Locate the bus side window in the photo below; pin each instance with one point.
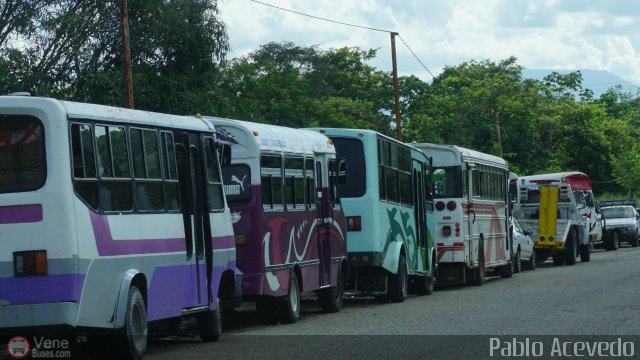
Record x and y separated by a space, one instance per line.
170 172
214 178
271 181
85 182
146 169
294 183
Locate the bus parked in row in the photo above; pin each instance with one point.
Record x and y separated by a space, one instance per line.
387 201
470 191
290 229
111 219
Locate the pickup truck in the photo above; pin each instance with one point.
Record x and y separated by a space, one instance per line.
619 223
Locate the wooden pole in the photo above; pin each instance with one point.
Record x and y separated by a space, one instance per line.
396 92
126 46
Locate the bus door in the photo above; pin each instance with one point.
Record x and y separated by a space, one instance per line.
324 218
420 216
470 177
195 214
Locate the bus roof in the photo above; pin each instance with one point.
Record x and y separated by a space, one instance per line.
256 137
451 155
76 110
577 180
362 133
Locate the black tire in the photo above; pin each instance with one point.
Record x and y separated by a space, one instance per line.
266 310
425 285
615 241
532 260
571 249
585 253
331 299
517 262
635 241
210 324
289 306
399 282
479 272
133 337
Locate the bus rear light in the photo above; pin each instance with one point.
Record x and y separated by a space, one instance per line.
29 263
458 244
446 230
457 233
440 205
441 244
451 205
354 223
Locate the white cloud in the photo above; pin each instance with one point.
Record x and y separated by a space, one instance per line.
556 34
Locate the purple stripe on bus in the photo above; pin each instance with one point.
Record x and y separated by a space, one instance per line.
20 214
41 289
173 288
107 246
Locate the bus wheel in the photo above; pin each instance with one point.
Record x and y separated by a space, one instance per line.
571 249
266 309
398 283
331 299
585 253
210 324
427 284
289 306
134 334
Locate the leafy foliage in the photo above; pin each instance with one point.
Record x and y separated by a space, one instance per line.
71 49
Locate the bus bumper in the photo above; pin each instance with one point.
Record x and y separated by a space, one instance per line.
29 315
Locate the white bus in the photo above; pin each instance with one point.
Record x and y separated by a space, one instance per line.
470 192
111 219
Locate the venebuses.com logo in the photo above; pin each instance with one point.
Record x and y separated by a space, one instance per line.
19 347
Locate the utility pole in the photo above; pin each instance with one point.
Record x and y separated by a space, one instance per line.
396 93
126 47
499 137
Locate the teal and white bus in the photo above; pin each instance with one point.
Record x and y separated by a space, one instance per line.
389 210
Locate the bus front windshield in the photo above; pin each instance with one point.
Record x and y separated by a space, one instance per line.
447 182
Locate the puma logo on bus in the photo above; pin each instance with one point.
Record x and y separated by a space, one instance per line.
238 181
235 189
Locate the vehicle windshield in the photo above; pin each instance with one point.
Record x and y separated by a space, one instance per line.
447 182
352 151
618 212
22 160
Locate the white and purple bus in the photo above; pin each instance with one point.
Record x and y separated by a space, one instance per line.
289 225
111 220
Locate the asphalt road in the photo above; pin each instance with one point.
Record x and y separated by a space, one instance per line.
598 298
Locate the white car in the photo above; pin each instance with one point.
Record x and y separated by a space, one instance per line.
523 254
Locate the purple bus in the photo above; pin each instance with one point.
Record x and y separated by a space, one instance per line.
290 230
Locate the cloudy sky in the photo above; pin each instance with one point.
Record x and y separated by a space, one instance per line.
542 34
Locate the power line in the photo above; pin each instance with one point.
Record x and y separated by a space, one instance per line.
321 18
348 24
415 56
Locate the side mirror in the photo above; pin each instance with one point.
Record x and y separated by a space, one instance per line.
342 171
